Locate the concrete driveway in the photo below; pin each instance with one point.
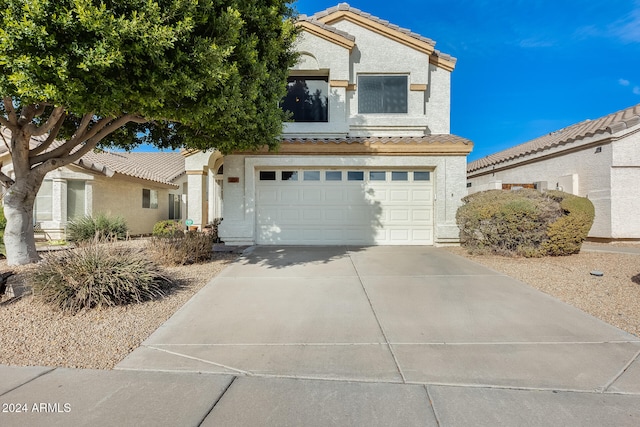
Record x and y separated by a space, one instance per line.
421 331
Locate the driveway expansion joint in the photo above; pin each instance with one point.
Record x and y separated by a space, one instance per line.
375 315
621 373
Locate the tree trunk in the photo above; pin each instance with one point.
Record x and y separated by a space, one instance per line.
19 239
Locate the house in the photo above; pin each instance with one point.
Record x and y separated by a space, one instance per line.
143 188
598 159
368 157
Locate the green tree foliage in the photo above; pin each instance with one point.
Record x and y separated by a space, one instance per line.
198 74
524 223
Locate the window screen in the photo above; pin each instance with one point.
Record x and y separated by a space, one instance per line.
382 94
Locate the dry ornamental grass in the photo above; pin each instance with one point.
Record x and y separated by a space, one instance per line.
35 334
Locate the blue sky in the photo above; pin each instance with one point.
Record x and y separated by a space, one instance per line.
525 67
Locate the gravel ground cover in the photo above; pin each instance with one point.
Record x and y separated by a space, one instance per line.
33 334
613 297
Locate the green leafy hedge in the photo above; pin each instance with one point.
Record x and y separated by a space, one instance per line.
524 222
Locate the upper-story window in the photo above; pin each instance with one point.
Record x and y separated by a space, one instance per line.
382 94
307 98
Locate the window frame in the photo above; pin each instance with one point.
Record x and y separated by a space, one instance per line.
150 201
362 92
305 115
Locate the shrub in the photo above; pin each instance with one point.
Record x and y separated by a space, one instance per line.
168 228
97 275
565 235
192 248
524 223
102 227
506 222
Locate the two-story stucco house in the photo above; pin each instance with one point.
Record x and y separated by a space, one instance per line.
598 159
368 157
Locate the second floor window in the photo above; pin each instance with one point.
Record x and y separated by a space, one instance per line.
382 94
307 98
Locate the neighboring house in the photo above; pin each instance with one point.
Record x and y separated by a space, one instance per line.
598 159
368 158
143 188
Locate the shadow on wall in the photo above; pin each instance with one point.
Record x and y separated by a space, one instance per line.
346 217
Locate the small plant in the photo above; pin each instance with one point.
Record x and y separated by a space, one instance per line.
168 228
102 227
98 275
193 247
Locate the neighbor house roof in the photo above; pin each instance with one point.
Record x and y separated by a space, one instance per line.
326 18
159 167
610 124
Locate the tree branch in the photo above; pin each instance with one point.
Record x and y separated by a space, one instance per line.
78 138
54 159
40 108
27 114
11 112
6 180
51 122
52 137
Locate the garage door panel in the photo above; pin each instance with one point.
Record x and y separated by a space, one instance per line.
421 196
421 214
334 215
399 196
344 212
268 195
312 195
399 215
334 195
290 195
289 215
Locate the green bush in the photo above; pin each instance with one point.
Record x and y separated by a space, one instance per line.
565 236
523 223
97 275
168 228
102 227
193 247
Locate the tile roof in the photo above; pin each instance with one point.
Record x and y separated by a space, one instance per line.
610 124
346 7
157 167
427 139
312 20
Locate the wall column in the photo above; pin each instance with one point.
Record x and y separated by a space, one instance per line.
197 197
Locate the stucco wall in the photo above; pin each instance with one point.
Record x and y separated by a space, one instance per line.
238 226
428 111
121 197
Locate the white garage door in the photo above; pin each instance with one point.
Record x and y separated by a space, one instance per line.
344 207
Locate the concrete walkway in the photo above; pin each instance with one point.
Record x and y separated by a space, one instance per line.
353 336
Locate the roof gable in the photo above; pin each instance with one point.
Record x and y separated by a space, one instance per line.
609 124
380 26
319 29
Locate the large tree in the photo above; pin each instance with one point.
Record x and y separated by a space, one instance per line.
78 74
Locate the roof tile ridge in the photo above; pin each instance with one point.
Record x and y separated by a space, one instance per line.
346 7
314 21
